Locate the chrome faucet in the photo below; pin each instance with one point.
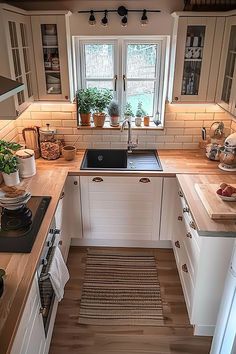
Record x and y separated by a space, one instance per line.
130 144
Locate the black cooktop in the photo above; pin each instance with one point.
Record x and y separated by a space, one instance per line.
19 228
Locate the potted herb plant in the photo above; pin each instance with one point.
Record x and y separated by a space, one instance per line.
8 163
114 113
85 101
128 112
139 114
102 98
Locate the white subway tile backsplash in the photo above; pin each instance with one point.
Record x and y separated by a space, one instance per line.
42 115
61 115
183 138
111 138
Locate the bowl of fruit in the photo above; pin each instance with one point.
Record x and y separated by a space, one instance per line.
227 192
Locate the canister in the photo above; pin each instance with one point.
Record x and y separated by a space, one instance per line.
26 160
49 146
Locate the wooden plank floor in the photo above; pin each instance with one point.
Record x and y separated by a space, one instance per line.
176 336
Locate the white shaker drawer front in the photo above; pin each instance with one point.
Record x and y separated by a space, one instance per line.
192 251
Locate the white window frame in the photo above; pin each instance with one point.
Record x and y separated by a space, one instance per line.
120 50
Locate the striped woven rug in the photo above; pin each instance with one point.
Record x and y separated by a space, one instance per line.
121 289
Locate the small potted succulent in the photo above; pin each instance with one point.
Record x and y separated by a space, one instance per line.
114 113
102 98
139 114
128 112
9 163
85 102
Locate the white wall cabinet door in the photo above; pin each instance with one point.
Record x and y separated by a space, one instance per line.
226 91
196 48
52 55
121 208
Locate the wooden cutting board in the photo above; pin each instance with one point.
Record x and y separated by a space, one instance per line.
217 208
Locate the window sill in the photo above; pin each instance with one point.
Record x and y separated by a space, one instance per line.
152 126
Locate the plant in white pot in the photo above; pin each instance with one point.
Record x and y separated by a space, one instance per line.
128 112
9 163
114 113
102 98
139 114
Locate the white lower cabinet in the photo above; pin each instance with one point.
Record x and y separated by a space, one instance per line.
121 208
202 264
30 337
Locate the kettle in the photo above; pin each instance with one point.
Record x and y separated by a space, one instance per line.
31 138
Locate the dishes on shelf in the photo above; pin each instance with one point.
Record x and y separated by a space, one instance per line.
53 79
50 40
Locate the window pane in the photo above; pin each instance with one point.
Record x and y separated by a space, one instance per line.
99 61
141 60
141 91
100 84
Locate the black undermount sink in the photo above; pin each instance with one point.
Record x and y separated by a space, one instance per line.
138 160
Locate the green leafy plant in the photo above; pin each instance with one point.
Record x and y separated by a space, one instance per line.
102 98
113 109
140 111
128 110
8 161
85 100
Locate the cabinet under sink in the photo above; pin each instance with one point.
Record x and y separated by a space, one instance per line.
137 160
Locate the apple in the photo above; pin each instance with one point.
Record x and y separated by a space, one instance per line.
219 191
228 191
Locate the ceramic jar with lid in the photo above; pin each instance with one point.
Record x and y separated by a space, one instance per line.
49 146
26 160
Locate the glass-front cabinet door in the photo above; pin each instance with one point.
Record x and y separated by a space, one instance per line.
51 57
227 76
194 76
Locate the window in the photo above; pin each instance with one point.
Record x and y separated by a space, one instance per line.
134 69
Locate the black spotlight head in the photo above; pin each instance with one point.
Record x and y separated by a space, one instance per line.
144 19
104 20
124 21
122 11
92 20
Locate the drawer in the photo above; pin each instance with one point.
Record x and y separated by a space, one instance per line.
192 251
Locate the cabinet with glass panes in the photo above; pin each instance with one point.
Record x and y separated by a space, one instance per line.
196 57
50 35
227 75
20 61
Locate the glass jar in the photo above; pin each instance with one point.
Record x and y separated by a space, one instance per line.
49 146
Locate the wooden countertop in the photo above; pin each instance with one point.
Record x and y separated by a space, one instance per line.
205 225
173 162
49 180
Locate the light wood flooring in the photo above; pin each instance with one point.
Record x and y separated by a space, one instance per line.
176 336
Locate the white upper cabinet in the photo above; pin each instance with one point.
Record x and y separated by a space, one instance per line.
52 55
196 49
20 66
226 92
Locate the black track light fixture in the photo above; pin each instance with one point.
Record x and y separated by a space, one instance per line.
92 20
104 20
144 19
124 21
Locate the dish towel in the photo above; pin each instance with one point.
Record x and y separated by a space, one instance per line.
58 274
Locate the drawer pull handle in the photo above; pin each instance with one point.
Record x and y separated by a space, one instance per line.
144 180
177 244
192 225
180 218
62 195
180 193
189 235
97 179
186 210
185 268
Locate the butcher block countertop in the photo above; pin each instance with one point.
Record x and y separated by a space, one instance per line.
205 225
49 180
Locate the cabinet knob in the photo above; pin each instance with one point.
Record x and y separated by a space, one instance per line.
177 244
176 98
60 243
44 261
185 268
144 180
189 235
186 210
192 225
75 183
62 195
43 311
180 218
180 194
97 179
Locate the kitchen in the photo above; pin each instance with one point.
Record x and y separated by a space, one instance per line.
173 76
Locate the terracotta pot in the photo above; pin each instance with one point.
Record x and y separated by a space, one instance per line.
85 119
69 152
99 119
114 121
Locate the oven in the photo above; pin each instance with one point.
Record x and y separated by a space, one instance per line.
47 295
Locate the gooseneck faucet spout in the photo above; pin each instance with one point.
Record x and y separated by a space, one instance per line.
130 144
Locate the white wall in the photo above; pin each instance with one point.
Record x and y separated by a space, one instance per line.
159 23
